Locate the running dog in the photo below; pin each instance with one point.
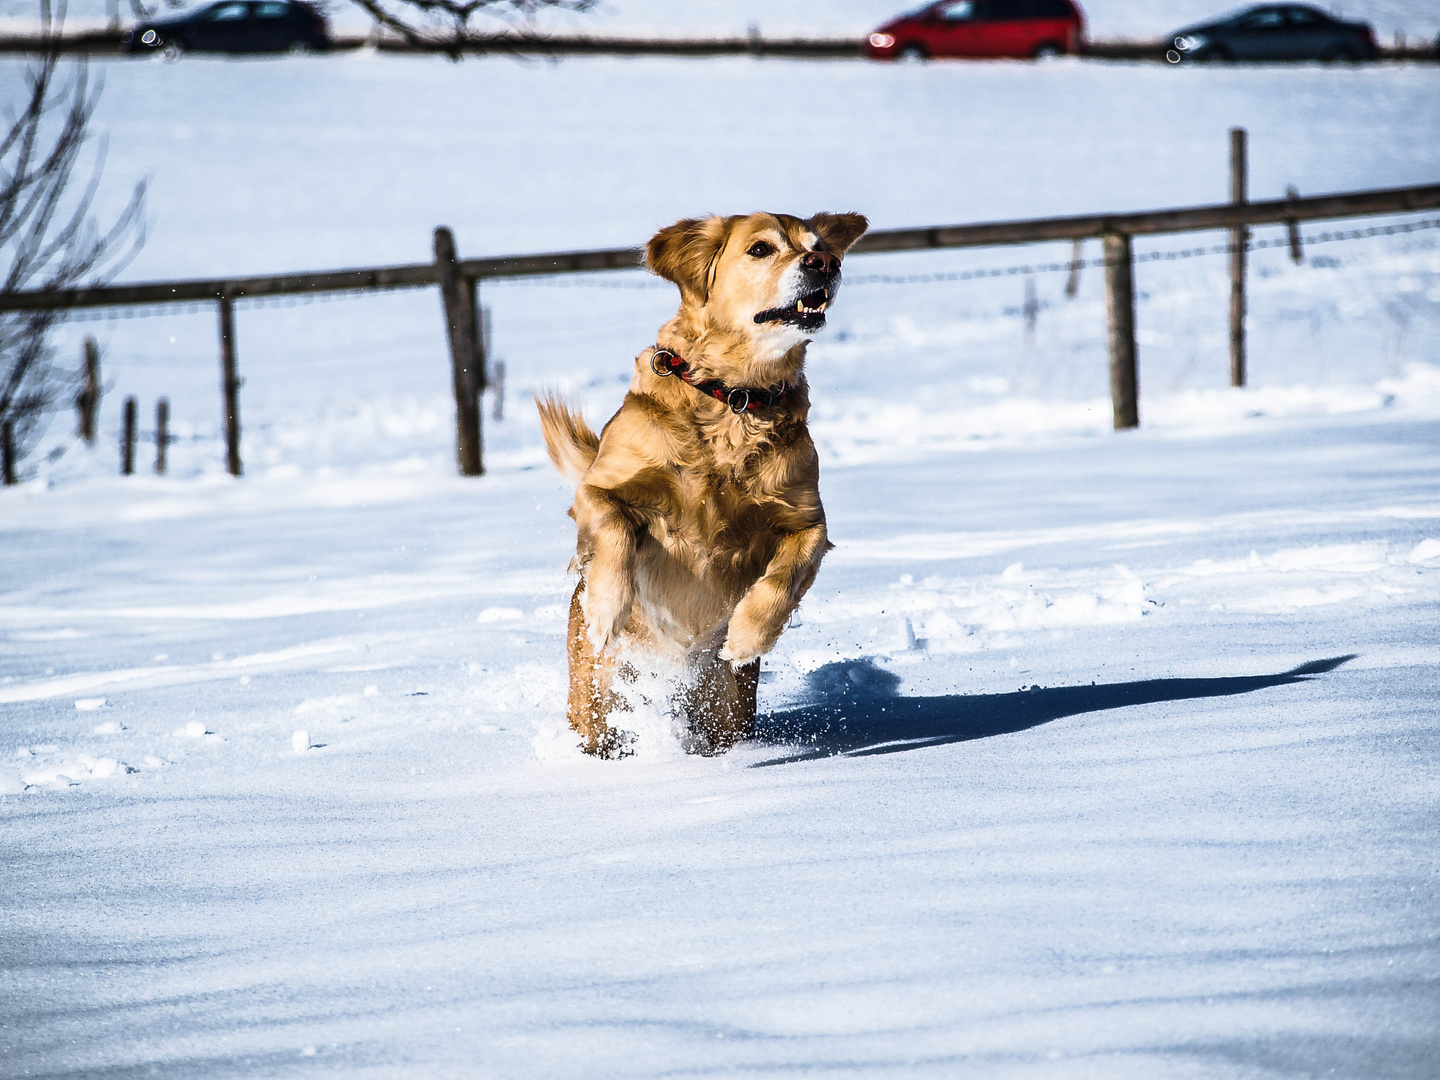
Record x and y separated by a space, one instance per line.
698 505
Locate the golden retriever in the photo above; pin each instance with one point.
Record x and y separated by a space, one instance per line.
698 505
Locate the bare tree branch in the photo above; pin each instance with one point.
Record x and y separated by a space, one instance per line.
48 236
445 24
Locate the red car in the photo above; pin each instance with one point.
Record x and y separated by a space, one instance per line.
1019 28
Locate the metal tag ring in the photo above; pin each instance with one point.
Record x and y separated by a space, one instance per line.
738 399
659 368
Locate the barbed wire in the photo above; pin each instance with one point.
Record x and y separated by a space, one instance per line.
1143 257
596 281
243 303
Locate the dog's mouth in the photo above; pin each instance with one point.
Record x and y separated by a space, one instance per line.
808 312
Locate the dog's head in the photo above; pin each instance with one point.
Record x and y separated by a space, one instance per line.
768 277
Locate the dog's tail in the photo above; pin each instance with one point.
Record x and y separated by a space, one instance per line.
571 443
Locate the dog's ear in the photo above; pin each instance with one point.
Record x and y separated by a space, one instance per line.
686 253
839 231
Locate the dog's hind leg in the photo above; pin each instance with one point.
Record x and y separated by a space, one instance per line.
747 692
720 705
592 698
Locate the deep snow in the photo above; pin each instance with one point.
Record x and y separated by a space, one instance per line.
1063 772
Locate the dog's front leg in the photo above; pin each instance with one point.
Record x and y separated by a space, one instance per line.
610 572
767 605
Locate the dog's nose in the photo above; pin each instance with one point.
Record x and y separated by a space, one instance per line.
822 262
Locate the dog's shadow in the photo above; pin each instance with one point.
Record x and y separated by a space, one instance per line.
857 711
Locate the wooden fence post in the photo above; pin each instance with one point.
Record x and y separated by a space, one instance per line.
127 440
162 433
467 362
1239 239
1292 227
7 452
87 402
230 383
1072 282
484 328
478 317
1120 313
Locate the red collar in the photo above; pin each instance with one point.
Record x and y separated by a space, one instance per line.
741 399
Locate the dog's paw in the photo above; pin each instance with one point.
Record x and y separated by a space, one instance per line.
605 617
739 649
748 636
602 635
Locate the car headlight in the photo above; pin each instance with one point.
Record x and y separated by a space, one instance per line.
1190 42
882 41
149 37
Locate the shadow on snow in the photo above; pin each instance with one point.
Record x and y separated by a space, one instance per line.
858 711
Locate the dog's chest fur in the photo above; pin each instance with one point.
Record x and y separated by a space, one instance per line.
729 488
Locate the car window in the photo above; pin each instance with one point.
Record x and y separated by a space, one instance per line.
1264 19
1005 10
958 11
1300 16
272 10
229 12
1052 9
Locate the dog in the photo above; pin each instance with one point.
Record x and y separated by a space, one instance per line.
698 506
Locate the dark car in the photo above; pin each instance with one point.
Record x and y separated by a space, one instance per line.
981 28
234 26
1275 32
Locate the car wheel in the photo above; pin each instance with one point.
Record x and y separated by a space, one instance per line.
1048 51
1215 54
170 51
1344 55
301 48
912 54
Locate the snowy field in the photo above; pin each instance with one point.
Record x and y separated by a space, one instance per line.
1091 755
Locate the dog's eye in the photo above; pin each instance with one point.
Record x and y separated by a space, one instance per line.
760 249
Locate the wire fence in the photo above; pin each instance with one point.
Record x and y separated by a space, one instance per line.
304 357
1069 265
633 280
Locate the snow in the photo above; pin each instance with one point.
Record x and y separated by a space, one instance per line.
1089 754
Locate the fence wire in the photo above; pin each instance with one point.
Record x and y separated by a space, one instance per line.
601 280
1069 265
